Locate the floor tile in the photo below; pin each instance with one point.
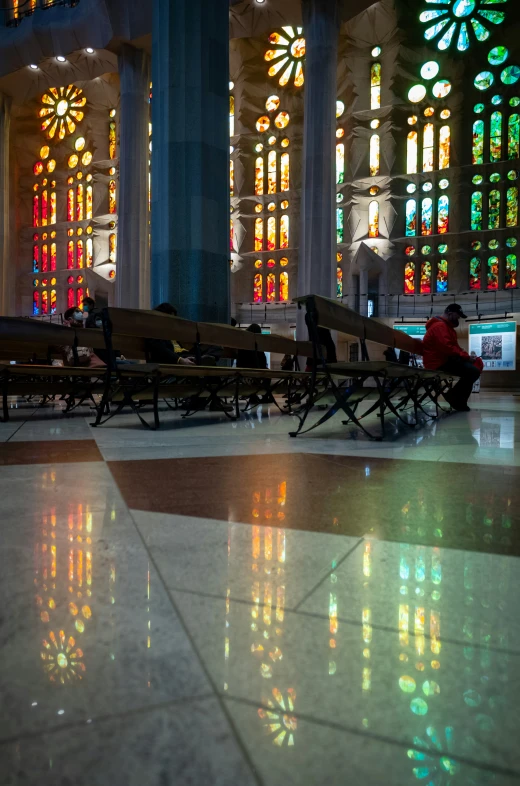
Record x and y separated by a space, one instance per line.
359 676
48 452
183 744
290 751
202 555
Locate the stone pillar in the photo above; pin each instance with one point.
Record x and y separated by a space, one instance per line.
7 265
363 292
317 260
133 250
190 157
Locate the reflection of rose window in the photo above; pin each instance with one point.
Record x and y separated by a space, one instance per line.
461 21
62 658
287 55
279 723
61 107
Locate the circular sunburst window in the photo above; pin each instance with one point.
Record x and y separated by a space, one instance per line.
61 110
460 21
287 55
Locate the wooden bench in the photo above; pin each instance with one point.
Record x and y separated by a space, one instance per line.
395 387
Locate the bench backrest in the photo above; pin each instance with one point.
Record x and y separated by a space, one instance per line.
330 314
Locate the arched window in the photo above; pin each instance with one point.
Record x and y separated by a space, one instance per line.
494 209
70 204
79 203
339 225
373 219
510 276
375 86
442 275
339 282
112 205
476 210
411 218
79 254
53 256
45 303
284 286
512 207
44 208
443 214
79 297
513 136
231 178
444 147
89 202
90 252
112 248
36 303
271 234
374 155
53 208
36 210
284 172
284 231
53 301
409 278
426 216
492 273
259 234
257 288
428 144
259 176
45 258
112 142
70 298
475 270
231 115
426 277
340 163
231 235
70 255
478 142
271 172
36 259
495 137
411 153
271 287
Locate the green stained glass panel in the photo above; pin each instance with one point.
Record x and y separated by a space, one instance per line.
339 225
512 207
511 242
476 210
498 55
512 174
435 29
497 100
442 275
495 141
515 101
478 108
476 245
445 40
481 32
513 136
493 244
474 273
510 75
442 249
510 275
463 39
494 209
429 16
494 178
478 142
425 250
495 17
477 179
484 80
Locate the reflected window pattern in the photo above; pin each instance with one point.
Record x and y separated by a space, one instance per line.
510 272
492 272
475 270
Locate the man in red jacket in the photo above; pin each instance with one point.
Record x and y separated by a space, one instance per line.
441 351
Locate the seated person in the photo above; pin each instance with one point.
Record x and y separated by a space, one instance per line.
73 317
325 339
251 358
441 351
93 318
170 352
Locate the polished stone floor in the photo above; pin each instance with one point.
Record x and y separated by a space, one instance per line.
216 603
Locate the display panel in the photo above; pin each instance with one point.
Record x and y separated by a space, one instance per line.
495 343
415 331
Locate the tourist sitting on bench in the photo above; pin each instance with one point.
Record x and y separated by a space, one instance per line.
85 356
441 352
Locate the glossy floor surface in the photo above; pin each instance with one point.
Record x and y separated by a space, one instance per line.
217 603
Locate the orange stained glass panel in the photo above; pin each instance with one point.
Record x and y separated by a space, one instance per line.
271 233
271 287
79 254
70 204
259 234
112 206
257 288
271 172
259 176
444 147
89 202
45 257
44 208
284 172
45 302
36 210
284 286
53 256
52 219
70 255
284 231
112 144
112 248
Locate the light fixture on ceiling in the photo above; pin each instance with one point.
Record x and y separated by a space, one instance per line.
34 67
260 2
61 59
89 50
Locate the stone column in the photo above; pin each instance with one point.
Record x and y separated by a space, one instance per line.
363 292
317 260
133 250
7 264
190 158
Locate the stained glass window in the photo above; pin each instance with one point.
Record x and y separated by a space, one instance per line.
373 219
70 255
340 163
36 210
510 276
70 298
44 208
79 203
284 231
88 211
428 142
45 258
478 142
36 303
375 86
259 176
231 178
495 137
231 116
476 210
70 204
271 172
271 234
36 259
494 209
411 152
79 254
411 217
513 136
512 207
112 248
257 288
45 303
492 273
270 287
112 208
374 155
112 143
442 275
53 256
89 252
444 147
284 286
426 216
53 301
443 214
426 277
339 225
79 296
52 218
284 172
231 235
474 273
409 278
339 282
259 234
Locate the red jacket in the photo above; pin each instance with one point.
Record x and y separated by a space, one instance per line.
440 343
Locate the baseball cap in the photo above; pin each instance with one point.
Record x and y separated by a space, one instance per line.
454 307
